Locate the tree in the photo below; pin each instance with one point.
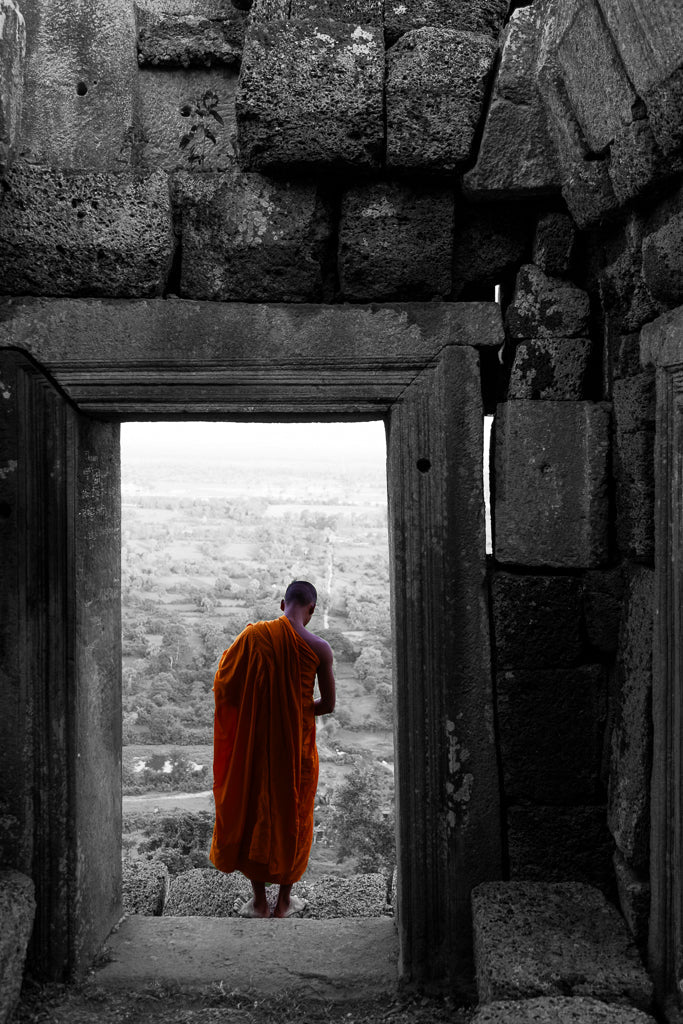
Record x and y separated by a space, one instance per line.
371 668
164 726
360 826
341 646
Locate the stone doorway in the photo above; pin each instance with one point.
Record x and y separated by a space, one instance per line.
74 369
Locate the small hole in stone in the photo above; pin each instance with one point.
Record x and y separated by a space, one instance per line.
81 88
424 465
5 510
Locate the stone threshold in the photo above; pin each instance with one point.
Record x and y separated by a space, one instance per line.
330 959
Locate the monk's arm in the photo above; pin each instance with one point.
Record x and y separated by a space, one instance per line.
326 683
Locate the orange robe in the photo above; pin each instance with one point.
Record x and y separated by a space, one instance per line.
265 761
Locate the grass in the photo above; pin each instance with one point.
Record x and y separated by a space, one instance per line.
184 1004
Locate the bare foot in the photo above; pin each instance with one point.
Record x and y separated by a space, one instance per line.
252 908
290 906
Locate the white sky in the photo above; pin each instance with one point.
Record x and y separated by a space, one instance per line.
364 441
253 440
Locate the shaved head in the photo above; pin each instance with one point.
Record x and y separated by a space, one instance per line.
302 593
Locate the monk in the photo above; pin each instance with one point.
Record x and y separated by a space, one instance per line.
265 761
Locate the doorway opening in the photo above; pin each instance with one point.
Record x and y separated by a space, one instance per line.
91 366
217 519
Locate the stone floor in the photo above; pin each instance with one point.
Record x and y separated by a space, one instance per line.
328 959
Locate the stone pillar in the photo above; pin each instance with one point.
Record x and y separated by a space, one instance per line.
60 683
449 831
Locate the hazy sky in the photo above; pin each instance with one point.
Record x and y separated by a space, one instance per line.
253 440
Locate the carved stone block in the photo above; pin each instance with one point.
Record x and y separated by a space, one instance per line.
559 1010
554 242
546 307
85 233
663 253
586 185
485 16
568 940
634 900
631 760
13 50
213 33
247 238
560 844
311 93
355 12
551 506
602 607
550 368
490 241
665 109
79 95
536 620
17 909
534 709
435 92
396 241
515 156
623 290
266 10
590 67
166 102
635 160
634 439
649 38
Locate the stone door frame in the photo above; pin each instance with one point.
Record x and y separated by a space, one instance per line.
662 347
416 367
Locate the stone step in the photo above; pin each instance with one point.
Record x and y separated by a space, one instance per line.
322 959
554 939
559 1010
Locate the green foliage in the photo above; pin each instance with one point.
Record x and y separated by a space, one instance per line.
180 841
201 135
184 831
164 725
342 648
360 825
372 668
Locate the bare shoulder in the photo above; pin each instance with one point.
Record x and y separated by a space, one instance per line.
320 646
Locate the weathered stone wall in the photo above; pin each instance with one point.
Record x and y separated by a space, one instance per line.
314 151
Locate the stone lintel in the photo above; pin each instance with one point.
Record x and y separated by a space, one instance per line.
176 357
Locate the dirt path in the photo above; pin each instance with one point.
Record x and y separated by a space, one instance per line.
169 802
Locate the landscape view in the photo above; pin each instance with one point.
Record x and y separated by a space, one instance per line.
217 519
